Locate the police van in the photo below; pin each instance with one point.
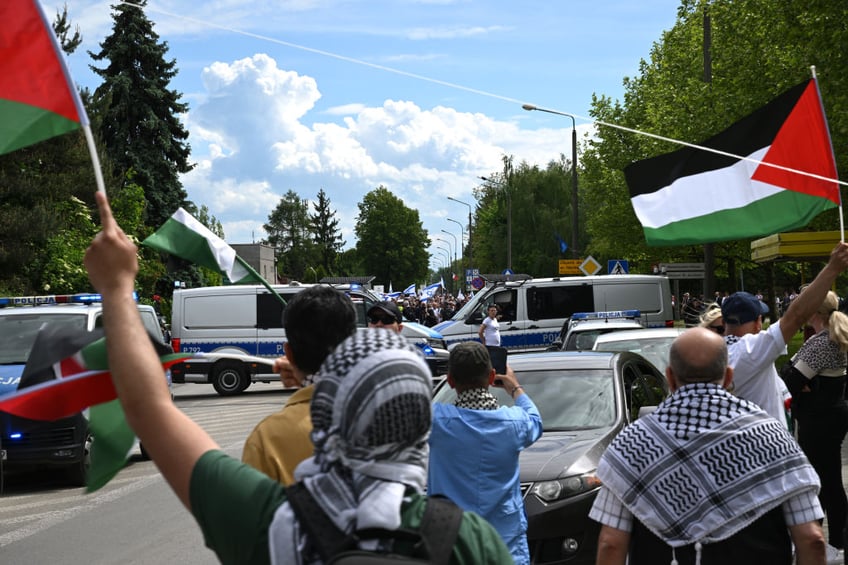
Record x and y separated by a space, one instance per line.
532 312
241 324
62 444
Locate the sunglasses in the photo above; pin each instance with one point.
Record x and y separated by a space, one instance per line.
717 329
385 320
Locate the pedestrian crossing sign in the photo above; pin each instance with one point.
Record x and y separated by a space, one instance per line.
618 267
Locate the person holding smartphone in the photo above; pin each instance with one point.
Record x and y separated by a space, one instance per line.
490 437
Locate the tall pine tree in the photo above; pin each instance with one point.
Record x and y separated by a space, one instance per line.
140 126
327 236
289 231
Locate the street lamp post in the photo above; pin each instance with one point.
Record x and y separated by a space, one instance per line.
470 246
454 243
574 245
446 253
505 188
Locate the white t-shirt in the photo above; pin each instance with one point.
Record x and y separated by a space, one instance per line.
491 331
755 378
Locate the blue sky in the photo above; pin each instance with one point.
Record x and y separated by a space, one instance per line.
421 96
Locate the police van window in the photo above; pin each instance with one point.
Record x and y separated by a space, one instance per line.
269 311
559 301
505 301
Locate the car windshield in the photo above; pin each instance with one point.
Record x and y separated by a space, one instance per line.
17 333
567 400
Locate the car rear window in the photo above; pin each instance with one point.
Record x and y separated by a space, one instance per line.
567 400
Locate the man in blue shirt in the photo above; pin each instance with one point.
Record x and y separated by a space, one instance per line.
474 445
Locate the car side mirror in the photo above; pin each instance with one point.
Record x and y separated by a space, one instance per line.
476 318
645 410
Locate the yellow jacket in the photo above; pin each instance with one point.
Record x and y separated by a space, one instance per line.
281 441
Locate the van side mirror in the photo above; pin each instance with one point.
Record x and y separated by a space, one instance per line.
475 318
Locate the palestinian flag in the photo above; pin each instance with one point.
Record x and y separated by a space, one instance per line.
695 196
185 237
67 372
38 100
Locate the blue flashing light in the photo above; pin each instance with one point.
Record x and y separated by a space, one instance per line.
16 435
79 298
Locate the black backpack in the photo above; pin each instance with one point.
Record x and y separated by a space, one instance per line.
436 537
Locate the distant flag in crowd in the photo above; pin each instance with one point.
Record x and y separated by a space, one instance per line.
429 291
38 99
442 282
695 196
454 276
563 246
390 287
410 290
460 296
67 372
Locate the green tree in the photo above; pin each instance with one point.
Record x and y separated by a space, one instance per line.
391 242
140 124
290 232
537 201
326 233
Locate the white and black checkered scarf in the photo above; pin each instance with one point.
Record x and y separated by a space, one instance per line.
476 399
704 465
371 414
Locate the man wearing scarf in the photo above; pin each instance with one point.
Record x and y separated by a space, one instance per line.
475 445
370 415
707 477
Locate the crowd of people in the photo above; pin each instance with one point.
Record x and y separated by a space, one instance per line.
712 475
689 308
430 311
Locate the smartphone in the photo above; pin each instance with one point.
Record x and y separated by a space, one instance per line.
498 357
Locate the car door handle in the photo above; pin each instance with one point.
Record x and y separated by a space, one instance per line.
534 327
512 329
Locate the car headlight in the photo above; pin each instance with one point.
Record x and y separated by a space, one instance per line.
436 343
559 489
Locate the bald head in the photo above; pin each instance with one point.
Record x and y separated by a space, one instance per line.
698 356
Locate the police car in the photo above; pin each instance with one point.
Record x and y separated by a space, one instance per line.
63 444
583 328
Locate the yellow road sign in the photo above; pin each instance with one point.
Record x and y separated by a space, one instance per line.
569 266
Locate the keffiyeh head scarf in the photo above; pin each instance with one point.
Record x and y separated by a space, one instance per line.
371 416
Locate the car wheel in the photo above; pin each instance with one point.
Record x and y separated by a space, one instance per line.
229 378
78 472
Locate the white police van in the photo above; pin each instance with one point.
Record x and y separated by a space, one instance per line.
533 311
62 444
243 323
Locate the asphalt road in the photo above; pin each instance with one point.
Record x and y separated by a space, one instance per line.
135 519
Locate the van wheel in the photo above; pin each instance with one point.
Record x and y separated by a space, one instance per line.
78 472
229 378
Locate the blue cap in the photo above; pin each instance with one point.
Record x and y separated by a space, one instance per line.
742 307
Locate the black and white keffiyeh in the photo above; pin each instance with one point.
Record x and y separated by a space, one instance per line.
476 399
371 416
704 465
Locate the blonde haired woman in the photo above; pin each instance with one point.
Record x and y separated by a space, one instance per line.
712 320
817 383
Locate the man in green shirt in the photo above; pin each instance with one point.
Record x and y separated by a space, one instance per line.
370 414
